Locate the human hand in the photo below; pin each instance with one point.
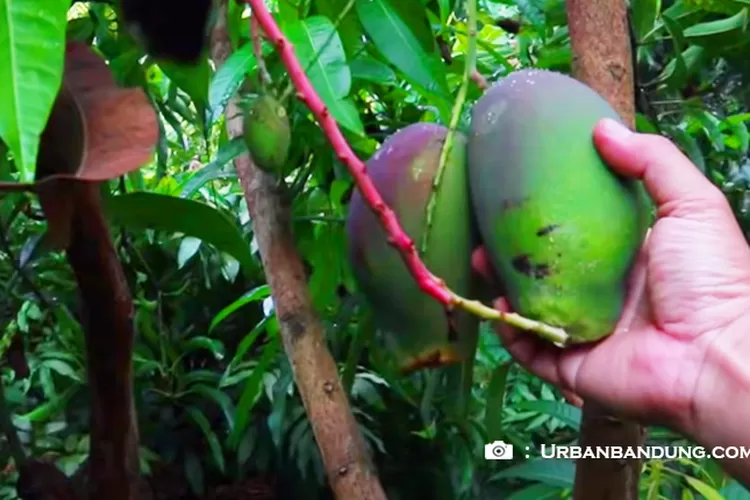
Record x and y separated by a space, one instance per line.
689 295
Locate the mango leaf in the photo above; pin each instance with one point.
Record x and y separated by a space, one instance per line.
370 69
349 28
493 419
193 79
254 295
200 342
326 67
244 346
707 491
250 393
32 73
48 410
227 152
228 79
213 441
220 398
729 31
554 472
567 413
157 211
645 13
395 40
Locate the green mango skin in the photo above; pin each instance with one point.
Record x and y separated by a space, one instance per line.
268 134
416 325
561 229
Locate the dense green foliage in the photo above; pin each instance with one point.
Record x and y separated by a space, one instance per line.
215 395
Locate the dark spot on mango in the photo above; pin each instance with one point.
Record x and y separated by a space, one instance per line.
547 230
523 264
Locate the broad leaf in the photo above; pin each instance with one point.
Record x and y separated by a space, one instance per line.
396 41
319 48
32 73
193 218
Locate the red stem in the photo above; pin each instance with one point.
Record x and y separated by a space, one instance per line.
397 237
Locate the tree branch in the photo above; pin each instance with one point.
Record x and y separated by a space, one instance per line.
349 468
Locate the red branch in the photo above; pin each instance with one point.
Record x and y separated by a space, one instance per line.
397 237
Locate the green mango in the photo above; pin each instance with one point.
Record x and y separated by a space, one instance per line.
417 331
560 227
268 134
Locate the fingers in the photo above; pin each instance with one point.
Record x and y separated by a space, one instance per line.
534 354
668 175
480 262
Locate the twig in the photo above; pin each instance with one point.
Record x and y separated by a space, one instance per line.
458 106
428 283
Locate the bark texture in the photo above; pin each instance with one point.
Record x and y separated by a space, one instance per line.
602 58
349 468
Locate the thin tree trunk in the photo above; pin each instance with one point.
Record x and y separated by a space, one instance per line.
349 468
602 58
107 307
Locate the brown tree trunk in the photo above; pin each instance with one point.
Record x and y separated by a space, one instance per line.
602 58
107 311
349 468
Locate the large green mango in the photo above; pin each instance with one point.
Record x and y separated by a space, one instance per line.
418 331
561 229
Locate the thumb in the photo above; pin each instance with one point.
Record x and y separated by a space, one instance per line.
668 175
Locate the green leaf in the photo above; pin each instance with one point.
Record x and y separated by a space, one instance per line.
645 13
396 41
735 491
349 28
213 441
567 413
370 69
253 295
62 368
493 420
328 70
220 398
227 152
708 492
252 390
32 52
194 473
193 79
245 345
554 472
143 210
48 410
200 342
726 32
228 79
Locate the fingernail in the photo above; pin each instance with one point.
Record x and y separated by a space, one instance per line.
615 129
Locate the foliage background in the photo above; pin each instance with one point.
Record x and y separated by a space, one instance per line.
215 396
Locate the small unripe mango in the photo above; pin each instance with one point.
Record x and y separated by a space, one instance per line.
268 134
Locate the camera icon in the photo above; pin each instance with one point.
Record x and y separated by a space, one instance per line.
498 450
